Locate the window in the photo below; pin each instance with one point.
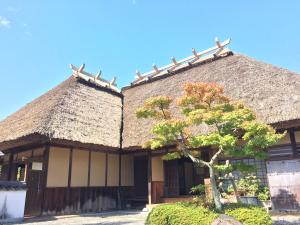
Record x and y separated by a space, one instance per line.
261 169
21 172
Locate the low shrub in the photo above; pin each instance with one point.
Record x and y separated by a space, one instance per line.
180 214
191 214
248 214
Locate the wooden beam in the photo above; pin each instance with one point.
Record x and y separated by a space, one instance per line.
68 195
70 167
23 148
293 141
120 182
89 169
45 174
149 177
106 169
120 175
85 147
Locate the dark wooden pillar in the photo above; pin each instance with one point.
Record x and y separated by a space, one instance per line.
149 177
120 183
69 205
45 175
120 164
70 167
89 169
88 193
293 142
106 169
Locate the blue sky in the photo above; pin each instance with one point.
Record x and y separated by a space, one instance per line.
38 39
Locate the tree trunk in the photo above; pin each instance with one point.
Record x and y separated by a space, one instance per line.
215 191
231 178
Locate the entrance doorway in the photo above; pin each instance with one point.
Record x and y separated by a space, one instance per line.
181 175
141 176
35 189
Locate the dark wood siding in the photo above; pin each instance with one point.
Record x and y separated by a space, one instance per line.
63 200
34 195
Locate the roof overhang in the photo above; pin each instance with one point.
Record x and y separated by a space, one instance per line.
36 140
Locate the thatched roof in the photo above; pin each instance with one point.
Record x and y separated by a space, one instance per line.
274 93
76 110
86 110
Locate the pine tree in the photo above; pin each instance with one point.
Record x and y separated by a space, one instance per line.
233 128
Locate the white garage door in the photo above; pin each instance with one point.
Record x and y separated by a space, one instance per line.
284 181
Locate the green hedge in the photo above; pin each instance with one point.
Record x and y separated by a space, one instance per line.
189 214
180 214
248 214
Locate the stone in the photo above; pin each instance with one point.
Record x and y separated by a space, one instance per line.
225 220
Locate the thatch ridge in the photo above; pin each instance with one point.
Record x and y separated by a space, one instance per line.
179 70
273 92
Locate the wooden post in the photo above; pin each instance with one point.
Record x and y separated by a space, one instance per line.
293 142
106 169
149 177
103 202
120 164
88 192
45 172
68 195
89 169
120 182
70 168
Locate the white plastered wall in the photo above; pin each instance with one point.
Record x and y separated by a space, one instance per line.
97 173
157 169
127 170
58 167
113 170
80 163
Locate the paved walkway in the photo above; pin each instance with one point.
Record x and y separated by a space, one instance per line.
106 218
286 219
129 217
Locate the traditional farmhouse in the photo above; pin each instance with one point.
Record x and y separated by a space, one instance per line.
78 147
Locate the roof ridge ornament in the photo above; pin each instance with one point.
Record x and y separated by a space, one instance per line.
155 68
195 53
98 74
97 79
113 81
217 50
138 75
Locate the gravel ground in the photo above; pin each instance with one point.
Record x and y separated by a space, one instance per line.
107 218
